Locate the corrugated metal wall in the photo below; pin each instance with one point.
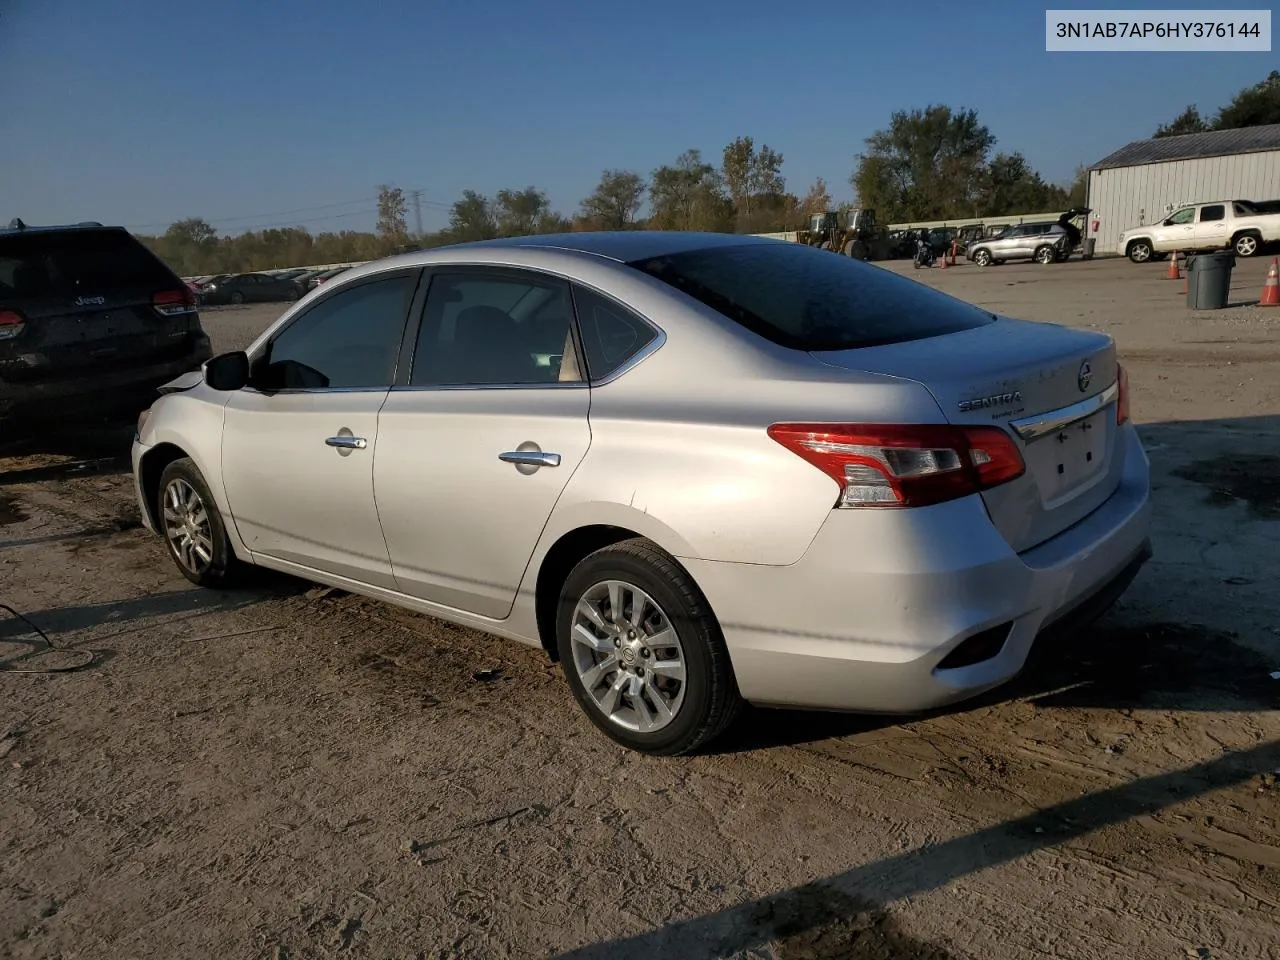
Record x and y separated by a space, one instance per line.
1125 197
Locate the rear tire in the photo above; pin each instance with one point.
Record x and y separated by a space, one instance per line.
982 258
1045 255
655 679
192 528
1247 245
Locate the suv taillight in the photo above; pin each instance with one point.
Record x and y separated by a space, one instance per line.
1122 395
174 303
11 324
897 465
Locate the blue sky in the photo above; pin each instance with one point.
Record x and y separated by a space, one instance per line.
267 113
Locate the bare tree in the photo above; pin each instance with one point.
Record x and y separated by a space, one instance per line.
392 228
817 200
737 167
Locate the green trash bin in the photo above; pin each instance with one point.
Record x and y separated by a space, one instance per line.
1209 280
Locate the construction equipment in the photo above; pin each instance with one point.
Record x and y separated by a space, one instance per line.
852 232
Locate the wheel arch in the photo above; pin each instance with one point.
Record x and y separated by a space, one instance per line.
573 545
150 467
1128 244
1253 232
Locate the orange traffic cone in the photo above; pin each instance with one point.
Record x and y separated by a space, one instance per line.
942 261
1271 289
1175 262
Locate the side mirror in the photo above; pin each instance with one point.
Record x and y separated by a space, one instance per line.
227 371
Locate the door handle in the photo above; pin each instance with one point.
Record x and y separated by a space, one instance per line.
348 443
531 458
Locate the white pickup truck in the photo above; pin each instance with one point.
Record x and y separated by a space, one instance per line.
1236 224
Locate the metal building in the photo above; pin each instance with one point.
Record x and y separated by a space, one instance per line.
1148 179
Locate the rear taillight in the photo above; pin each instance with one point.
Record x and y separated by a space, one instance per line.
896 465
174 303
11 324
1122 395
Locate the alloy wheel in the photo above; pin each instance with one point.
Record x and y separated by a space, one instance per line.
187 526
628 656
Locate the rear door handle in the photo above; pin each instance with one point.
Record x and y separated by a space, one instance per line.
348 443
532 458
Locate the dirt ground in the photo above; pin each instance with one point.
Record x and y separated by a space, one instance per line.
292 772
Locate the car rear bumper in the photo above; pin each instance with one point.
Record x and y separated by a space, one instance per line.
97 396
864 620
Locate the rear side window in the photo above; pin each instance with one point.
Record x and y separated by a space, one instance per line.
1213 213
75 263
611 334
809 299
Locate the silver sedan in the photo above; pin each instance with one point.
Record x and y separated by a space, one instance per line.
698 470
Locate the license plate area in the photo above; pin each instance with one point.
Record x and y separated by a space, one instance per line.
84 328
1066 461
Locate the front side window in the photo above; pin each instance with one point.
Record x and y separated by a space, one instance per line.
1185 215
806 299
488 329
349 340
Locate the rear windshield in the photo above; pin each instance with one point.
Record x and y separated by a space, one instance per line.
809 299
78 263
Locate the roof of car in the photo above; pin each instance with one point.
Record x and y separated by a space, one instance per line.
622 245
16 227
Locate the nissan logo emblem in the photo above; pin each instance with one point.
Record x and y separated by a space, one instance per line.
1085 376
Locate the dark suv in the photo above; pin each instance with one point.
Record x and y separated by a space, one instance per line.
91 323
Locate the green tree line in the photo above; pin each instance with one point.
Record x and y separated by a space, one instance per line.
1253 106
934 163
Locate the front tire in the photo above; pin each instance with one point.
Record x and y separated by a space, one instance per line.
1139 251
193 529
642 651
237 297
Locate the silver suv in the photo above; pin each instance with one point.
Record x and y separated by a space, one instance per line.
1041 242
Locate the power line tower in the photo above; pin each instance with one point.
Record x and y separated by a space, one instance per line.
417 209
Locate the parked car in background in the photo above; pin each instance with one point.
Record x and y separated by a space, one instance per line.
324 276
1237 225
91 324
248 288
1041 242
291 274
697 469
205 281
303 280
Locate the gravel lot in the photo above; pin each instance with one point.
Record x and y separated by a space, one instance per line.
293 772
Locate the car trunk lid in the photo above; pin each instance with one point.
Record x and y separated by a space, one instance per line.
1052 388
